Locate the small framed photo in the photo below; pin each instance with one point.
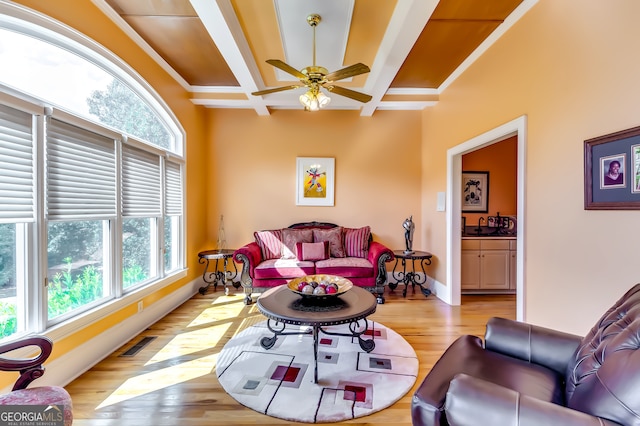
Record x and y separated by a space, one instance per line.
612 171
475 192
315 181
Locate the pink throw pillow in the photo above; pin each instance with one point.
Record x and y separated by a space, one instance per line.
270 243
290 237
356 241
313 251
334 236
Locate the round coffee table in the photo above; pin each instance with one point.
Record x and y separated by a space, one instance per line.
281 306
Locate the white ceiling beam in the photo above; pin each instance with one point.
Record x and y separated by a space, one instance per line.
221 22
405 26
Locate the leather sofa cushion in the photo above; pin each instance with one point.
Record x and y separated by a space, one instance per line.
603 380
348 267
283 268
466 355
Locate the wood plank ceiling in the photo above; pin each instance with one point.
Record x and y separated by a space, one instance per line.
217 49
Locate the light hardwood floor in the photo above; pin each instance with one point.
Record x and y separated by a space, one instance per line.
172 381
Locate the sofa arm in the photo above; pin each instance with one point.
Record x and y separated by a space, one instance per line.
471 401
550 348
250 256
379 255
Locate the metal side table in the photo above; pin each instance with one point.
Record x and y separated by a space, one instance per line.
215 276
410 277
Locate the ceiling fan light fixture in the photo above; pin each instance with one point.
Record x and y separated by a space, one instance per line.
315 77
313 100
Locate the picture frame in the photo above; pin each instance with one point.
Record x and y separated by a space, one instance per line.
612 171
315 181
475 192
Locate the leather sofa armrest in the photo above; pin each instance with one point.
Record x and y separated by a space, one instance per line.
550 348
471 401
249 255
379 255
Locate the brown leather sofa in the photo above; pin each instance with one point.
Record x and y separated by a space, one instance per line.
529 375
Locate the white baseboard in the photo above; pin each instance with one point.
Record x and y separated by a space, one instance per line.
64 369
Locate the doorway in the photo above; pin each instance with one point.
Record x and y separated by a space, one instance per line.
516 127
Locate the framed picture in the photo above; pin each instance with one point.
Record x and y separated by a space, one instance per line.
475 192
612 171
315 181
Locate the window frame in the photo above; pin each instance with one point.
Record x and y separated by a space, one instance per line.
34 24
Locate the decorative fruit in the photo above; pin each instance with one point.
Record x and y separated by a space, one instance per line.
301 285
313 284
331 289
319 290
307 289
333 286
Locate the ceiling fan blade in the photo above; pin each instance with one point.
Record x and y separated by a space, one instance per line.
286 68
347 72
362 97
277 89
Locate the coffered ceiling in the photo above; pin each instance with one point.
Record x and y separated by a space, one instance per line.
216 49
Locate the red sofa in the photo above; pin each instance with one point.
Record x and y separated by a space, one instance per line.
280 255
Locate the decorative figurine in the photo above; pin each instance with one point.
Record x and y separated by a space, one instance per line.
408 233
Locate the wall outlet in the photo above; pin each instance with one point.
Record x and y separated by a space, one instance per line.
140 306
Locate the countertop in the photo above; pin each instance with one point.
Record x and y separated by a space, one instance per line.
490 237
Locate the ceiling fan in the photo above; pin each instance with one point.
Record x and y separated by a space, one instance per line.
316 77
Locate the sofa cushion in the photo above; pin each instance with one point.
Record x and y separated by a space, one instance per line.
356 241
603 379
467 355
270 243
283 268
335 237
312 251
348 267
290 237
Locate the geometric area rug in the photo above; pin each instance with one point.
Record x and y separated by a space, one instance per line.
352 383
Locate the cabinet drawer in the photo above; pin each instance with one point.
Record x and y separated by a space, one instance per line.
470 244
494 244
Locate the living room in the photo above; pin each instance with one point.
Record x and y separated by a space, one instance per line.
567 67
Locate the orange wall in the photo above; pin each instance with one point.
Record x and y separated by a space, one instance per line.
500 160
252 168
573 81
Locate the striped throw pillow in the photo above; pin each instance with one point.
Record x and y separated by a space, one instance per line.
270 243
356 241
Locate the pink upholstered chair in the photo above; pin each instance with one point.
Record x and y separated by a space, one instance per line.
30 369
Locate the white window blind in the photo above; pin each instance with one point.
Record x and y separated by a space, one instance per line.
141 183
173 190
16 166
81 173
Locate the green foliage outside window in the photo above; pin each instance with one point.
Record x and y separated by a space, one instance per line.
120 107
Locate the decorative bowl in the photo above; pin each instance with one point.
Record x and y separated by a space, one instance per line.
321 280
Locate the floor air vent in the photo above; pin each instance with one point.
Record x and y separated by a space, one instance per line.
138 346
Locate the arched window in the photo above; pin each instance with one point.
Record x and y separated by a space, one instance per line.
91 183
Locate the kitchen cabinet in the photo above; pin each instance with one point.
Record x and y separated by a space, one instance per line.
486 265
513 265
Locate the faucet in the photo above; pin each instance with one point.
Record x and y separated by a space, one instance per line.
479 228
